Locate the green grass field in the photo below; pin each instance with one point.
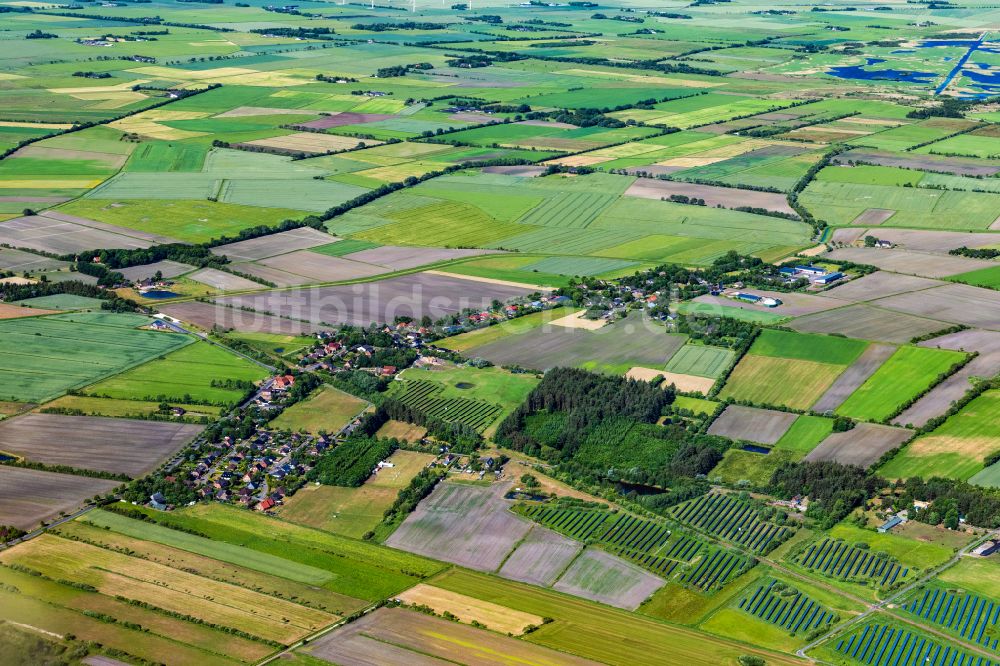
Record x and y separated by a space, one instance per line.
42 357
573 618
806 432
922 555
328 410
696 405
807 347
700 360
490 386
739 467
907 372
984 277
354 511
62 302
184 376
956 448
770 380
733 312
188 221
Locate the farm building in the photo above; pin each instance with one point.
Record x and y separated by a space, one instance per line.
766 301
829 278
986 548
887 526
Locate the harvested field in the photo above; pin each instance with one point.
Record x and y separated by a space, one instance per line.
468 609
207 315
852 378
909 262
341 119
268 246
47 235
727 197
19 262
879 284
764 426
873 216
400 258
222 280
29 496
361 304
688 383
863 445
167 268
867 322
60 216
402 430
601 576
578 320
311 142
463 524
613 349
12 311
847 235
941 397
925 240
956 165
541 557
524 171
122 446
792 304
316 267
399 637
957 303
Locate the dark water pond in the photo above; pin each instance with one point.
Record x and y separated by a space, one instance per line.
159 293
753 448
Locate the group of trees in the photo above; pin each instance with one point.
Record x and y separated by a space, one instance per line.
834 490
351 462
950 499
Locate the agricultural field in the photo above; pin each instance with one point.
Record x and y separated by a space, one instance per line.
956 449
791 369
414 295
117 446
328 410
43 357
444 392
201 373
613 349
384 174
354 511
903 376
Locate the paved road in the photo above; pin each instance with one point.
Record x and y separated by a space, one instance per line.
41 530
902 592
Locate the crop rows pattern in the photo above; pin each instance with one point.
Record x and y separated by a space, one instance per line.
425 396
879 645
838 559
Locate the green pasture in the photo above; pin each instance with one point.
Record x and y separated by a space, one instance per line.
903 376
42 357
186 375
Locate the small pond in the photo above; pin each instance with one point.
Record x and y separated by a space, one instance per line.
159 294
